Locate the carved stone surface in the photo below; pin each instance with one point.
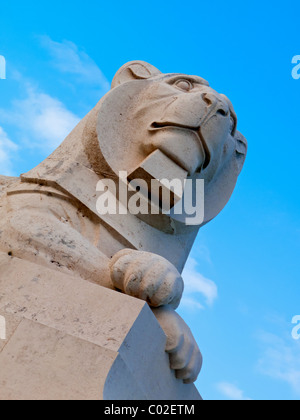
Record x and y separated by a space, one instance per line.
148 126
71 339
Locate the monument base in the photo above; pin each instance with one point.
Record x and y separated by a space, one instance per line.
68 339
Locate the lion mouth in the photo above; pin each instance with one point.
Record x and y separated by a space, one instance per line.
197 130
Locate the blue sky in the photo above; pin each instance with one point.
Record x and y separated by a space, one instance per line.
243 275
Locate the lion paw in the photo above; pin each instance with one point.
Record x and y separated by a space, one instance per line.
148 277
185 356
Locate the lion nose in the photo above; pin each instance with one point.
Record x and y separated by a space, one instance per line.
216 104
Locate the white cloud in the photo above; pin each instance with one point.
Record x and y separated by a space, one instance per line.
7 150
280 358
42 120
197 284
191 303
232 392
67 58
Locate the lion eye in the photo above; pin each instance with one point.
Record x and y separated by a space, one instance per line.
184 85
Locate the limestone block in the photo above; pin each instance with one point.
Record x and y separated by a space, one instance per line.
41 363
69 339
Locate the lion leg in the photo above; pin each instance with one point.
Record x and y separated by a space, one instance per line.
40 237
147 276
185 356
152 278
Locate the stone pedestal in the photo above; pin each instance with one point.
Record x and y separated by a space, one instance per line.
67 339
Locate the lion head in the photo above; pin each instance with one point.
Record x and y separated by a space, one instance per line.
146 110
181 115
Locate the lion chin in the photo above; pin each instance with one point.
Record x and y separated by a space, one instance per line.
49 217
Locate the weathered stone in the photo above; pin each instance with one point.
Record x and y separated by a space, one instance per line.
71 339
62 261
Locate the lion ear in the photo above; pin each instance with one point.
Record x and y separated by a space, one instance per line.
134 70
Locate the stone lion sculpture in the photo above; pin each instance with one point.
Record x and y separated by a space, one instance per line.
49 216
